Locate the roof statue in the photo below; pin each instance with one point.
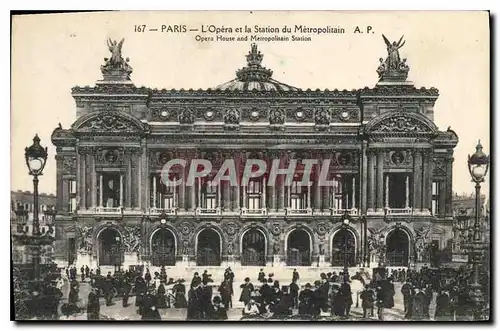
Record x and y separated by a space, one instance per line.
393 68
116 68
254 76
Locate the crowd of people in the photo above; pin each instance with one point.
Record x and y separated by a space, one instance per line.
331 296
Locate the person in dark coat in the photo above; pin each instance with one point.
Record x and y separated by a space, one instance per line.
126 292
93 305
206 277
295 275
428 296
82 273
406 291
345 292
228 274
381 297
194 310
246 291
225 293
389 292
266 292
87 271
322 291
140 290
367 299
149 309
196 279
443 311
262 276
147 277
338 308
180 294
418 303
294 293
161 298
219 312
108 291
206 299
306 300
73 292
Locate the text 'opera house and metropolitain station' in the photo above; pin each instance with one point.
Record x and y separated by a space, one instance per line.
390 166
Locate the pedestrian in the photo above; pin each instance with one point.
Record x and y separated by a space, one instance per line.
87 271
294 294
246 290
126 292
194 309
180 294
380 303
418 303
306 300
443 309
149 308
406 290
346 293
147 277
262 276
295 275
367 298
225 293
220 310
82 273
93 305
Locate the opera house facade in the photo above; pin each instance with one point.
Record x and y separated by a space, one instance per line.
390 168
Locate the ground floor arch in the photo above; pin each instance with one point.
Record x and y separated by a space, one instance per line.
253 247
163 247
110 251
397 248
298 248
208 248
343 248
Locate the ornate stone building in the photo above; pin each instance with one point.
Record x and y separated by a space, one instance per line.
390 166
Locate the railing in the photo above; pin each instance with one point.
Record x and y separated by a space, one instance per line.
168 211
208 211
298 212
101 210
253 259
399 211
23 229
339 212
395 259
254 212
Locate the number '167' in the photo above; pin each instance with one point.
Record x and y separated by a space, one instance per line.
140 28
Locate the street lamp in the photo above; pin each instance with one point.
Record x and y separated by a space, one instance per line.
478 167
345 225
36 156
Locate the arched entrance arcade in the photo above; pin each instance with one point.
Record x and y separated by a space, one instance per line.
110 251
397 248
163 247
208 248
298 248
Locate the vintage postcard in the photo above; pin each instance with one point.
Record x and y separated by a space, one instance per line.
251 166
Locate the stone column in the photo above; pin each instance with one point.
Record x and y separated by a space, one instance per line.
182 189
93 187
121 190
226 196
317 189
154 191
380 181
449 192
407 192
387 191
142 183
191 190
427 181
363 178
100 191
417 180
83 188
442 198
371 188
128 158
326 191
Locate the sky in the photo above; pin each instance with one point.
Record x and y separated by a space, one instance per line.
52 53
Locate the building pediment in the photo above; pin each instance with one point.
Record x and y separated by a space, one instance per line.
401 123
109 122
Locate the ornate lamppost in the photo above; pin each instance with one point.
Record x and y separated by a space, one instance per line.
478 167
346 220
36 157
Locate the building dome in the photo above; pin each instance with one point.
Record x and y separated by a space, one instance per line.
255 77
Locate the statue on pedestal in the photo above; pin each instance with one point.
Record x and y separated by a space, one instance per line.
115 67
393 68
